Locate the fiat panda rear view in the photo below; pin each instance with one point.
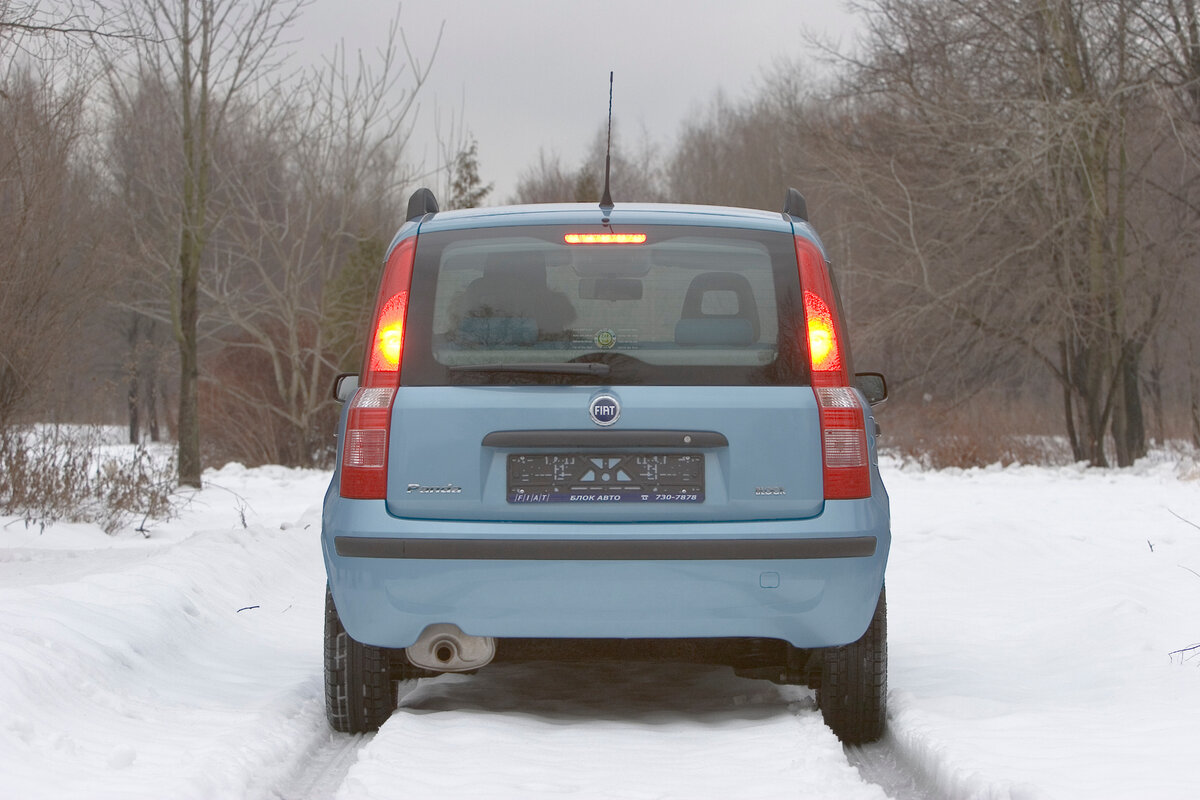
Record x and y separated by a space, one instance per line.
626 432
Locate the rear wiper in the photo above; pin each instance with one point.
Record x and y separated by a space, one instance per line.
585 368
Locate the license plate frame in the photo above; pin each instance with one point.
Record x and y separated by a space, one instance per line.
605 478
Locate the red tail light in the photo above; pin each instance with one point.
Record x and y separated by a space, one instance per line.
824 329
368 422
846 468
843 444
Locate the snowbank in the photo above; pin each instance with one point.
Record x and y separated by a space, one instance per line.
1033 614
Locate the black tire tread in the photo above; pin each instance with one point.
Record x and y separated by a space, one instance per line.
853 692
360 693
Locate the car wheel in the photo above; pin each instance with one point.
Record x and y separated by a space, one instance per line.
360 693
853 691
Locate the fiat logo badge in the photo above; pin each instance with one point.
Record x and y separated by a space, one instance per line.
604 409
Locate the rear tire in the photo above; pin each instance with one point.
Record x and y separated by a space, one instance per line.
360 693
853 690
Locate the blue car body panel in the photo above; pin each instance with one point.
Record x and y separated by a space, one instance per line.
437 435
807 602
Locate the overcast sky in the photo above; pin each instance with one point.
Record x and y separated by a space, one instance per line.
527 74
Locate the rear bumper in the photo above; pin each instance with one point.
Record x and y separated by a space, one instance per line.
813 582
507 549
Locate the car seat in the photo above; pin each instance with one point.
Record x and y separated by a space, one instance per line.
511 303
697 327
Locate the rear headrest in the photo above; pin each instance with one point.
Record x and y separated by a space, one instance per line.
693 301
497 331
721 332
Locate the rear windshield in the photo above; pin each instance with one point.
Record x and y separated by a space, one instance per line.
521 305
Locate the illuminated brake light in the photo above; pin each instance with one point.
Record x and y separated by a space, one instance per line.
822 327
604 238
389 334
369 418
387 345
822 336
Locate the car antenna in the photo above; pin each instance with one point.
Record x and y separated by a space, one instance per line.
606 202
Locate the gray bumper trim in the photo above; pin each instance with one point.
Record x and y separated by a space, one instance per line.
607 549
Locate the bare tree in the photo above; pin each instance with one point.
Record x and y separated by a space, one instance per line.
24 26
1169 32
545 182
459 183
1170 35
745 153
1002 149
140 151
312 187
49 264
215 54
636 175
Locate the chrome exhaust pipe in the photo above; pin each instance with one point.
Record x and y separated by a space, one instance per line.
445 648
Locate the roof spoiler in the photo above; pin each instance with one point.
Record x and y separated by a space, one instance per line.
421 203
794 205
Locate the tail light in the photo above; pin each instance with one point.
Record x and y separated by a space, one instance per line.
368 421
845 465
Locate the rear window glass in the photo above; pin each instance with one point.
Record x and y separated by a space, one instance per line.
689 305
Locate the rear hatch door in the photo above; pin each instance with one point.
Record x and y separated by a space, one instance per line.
686 336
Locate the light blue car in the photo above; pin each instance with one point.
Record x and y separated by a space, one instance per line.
627 432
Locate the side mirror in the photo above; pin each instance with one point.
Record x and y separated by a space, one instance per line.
873 386
344 386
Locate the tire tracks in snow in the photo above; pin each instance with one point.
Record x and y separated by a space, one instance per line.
885 764
601 730
322 767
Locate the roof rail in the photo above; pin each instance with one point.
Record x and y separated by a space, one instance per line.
794 205
421 202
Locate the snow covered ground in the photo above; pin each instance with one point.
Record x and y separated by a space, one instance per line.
1033 614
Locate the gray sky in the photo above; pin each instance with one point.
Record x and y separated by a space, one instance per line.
534 73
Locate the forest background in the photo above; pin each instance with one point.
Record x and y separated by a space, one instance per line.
1009 192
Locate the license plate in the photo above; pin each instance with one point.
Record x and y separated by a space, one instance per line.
608 478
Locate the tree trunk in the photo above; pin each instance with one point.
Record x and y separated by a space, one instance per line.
134 369
1129 423
1194 387
134 422
152 392
1094 416
194 133
190 466
1068 402
1195 412
1154 388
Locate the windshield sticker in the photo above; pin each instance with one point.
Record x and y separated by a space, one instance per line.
605 339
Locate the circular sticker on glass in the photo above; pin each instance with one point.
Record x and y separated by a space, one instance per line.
604 409
606 338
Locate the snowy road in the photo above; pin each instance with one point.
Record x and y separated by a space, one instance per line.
1033 612
551 730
